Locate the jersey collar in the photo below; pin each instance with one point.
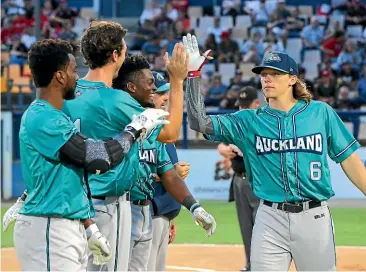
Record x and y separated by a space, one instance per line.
90 84
298 106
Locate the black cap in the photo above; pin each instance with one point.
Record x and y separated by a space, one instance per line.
247 96
278 61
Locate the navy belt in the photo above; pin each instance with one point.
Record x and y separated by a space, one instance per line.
293 207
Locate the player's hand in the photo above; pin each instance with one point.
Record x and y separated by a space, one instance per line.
172 232
205 220
196 61
177 66
98 245
182 169
148 120
11 215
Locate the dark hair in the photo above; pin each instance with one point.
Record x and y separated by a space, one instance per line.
338 34
99 41
132 65
46 57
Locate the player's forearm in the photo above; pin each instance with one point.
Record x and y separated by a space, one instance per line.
355 171
196 112
98 156
170 133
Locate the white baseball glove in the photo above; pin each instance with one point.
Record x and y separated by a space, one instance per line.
205 220
99 245
11 215
196 61
148 120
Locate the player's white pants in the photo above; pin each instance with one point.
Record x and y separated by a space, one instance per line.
160 240
141 238
50 244
306 237
113 218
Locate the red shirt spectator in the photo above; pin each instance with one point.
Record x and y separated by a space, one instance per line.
333 46
180 5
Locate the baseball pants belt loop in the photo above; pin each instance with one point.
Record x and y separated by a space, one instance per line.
126 196
293 207
142 202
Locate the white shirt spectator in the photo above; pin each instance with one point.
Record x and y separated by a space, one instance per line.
28 40
19 9
173 14
149 14
312 35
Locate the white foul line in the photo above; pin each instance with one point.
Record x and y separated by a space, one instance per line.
240 245
189 268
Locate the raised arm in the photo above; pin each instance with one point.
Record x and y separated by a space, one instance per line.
177 68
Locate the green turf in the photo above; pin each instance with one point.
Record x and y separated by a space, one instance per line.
350 226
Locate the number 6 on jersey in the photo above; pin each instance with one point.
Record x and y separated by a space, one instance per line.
315 171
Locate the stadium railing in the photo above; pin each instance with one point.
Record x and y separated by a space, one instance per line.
352 116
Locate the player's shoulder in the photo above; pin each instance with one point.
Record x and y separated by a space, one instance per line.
247 113
319 106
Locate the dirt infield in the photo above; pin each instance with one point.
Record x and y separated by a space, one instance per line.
215 258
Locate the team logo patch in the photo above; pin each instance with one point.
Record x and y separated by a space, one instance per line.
272 57
243 95
159 76
78 93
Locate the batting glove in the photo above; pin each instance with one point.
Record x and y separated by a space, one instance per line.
196 61
99 245
205 220
148 120
11 215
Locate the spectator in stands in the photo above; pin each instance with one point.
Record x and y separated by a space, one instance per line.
361 88
260 16
180 5
151 48
47 9
273 44
326 89
348 76
349 54
13 7
356 13
210 43
163 24
237 80
171 12
18 53
28 9
280 14
28 37
216 93
253 49
230 8
332 29
333 46
64 13
294 23
228 49
67 33
143 34
231 96
216 30
311 36
150 13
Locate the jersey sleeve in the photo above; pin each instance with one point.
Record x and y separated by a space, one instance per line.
228 128
164 164
49 131
341 143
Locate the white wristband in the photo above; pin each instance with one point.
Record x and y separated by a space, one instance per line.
93 228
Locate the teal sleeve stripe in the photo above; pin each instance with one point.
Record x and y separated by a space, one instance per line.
48 243
164 164
346 148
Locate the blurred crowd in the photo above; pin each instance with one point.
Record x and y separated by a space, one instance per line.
239 33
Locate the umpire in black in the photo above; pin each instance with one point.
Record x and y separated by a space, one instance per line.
240 190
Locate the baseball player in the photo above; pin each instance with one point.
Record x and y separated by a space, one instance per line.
100 112
240 191
285 146
54 227
164 208
135 78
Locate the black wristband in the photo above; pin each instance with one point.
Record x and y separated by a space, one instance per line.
190 203
134 133
23 196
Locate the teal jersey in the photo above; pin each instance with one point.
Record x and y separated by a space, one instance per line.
101 112
54 188
156 158
285 154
